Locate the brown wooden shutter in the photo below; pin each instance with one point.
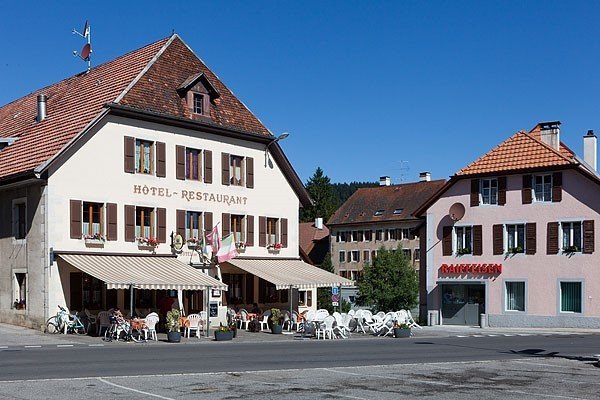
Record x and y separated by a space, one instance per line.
501 190
225 168
552 238
111 221
284 232
226 223
530 238
447 240
249 230
129 223
180 162
477 240
588 237
208 166
129 151
526 191
180 222
208 222
75 210
161 222
474 193
262 231
161 159
556 187
498 239
249 172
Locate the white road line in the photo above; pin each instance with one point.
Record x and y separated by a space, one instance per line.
476 335
508 334
524 334
30 346
95 345
64 345
134 390
461 336
492 335
3 347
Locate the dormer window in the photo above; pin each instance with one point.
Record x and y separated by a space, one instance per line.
379 213
398 211
198 100
198 92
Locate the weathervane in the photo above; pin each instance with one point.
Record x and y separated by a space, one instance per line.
86 51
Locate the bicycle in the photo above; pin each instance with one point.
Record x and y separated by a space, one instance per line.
130 332
65 322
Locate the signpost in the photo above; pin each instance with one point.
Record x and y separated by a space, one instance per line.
335 296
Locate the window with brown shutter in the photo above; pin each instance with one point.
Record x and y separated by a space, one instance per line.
129 152
447 241
180 162
161 222
501 190
588 237
530 238
225 168
180 222
477 240
249 230
474 193
207 166
249 172
75 211
556 187
284 232
208 222
161 159
111 220
226 223
262 231
498 239
552 238
129 223
526 190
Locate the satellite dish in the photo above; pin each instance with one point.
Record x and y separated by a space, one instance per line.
456 212
178 242
85 52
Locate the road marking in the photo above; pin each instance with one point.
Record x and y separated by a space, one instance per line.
461 336
134 390
492 335
476 335
95 345
30 346
508 334
3 347
524 334
64 345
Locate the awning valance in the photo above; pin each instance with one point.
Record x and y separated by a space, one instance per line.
119 272
284 273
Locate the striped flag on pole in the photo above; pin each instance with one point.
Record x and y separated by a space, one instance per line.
227 251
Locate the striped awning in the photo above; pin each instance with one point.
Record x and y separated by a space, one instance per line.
284 273
119 272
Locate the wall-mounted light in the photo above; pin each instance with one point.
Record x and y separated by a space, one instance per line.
277 139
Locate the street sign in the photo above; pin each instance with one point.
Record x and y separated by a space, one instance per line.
335 303
335 298
335 290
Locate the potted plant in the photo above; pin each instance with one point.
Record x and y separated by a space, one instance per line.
192 243
401 330
515 250
240 246
571 249
223 333
233 328
274 247
463 251
276 320
173 326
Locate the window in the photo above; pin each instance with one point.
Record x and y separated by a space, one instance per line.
236 164
342 256
394 234
93 219
379 234
19 219
398 211
379 213
355 254
237 227
20 290
571 236
406 234
542 187
198 103
193 225
144 156
373 254
305 298
417 255
368 236
406 254
342 236
464 239
515 235
273 231
144 222
193 164
355 236
366 256
515 296
570 297
489 191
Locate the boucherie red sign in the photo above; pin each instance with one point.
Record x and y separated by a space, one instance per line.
481 269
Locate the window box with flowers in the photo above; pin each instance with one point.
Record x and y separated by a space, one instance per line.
147 243
240 246
193 243
571 249
274 247
95 240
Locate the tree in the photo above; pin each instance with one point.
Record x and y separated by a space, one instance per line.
390 283
324 293
320 190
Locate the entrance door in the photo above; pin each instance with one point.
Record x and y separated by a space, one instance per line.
462 303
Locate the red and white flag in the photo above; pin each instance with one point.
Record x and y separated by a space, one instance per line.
213 239
227 250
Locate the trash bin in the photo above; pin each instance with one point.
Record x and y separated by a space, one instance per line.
483 321
433 317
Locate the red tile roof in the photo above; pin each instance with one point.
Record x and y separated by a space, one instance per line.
314 242
362 205
148 78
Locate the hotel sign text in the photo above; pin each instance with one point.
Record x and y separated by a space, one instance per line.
459 269
189 195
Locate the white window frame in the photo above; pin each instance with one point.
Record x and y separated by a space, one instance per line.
303 298
571 235
543 193
493 201
463 235
355 256
366 255
507 249
16 289
232 179
342 256
15 220
138 156
405 234
506 297
581 300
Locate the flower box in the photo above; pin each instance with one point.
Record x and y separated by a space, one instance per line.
94 242
274 247
222 336
401 332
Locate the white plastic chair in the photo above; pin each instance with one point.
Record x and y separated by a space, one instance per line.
326 327
264 324
150 329
103 321
411 321
243 322
387 325
194 325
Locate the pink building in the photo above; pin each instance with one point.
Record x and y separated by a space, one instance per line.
512 236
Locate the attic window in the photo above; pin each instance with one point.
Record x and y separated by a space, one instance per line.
398 211
379 213
5 142
198 103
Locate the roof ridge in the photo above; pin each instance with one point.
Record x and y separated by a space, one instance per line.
540 141
488 153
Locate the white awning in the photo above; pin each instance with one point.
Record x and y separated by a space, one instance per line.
284 273
119 272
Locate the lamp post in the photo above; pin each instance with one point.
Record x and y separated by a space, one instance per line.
277 139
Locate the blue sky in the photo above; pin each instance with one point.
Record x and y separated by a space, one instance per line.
364 88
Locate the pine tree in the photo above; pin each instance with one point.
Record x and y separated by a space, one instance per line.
320 190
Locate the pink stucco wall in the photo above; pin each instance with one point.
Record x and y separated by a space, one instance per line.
541 272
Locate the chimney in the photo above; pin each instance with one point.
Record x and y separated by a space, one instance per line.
384 181
550 133
41 107
424 176
590 149
319 223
